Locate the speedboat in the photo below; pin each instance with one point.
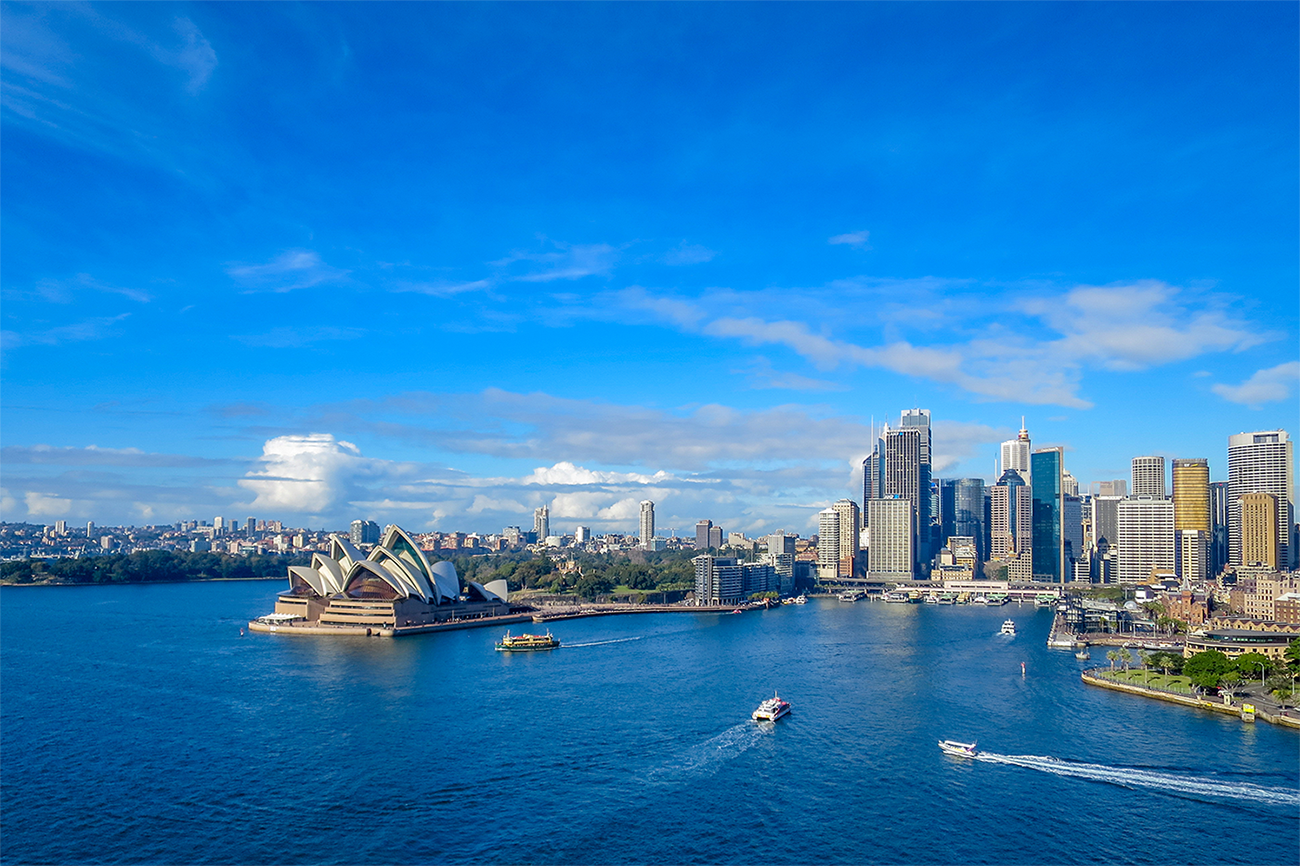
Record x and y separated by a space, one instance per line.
771 709
802 599
960 750
1008 627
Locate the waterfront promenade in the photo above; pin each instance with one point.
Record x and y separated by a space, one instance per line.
1266 709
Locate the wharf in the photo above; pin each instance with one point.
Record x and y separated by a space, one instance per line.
1279 718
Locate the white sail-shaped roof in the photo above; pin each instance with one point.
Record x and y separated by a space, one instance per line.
346 554
416 582
446 581
331 573
484 592
404 548
309 576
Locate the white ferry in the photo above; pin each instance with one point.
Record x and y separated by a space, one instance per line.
771 709
1008 627
960 750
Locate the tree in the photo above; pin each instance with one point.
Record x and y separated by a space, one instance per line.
1292 654
592 585
1112 657
1249 665
1126 657
1207 668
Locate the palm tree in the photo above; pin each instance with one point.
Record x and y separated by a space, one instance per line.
1113 657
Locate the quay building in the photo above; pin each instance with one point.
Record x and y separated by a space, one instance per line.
391 589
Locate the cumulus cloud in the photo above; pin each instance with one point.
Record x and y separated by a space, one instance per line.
292 269
1265 386
45 505
565 473
308 474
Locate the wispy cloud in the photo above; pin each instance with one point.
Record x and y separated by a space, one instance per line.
1265 386
444 289
857 240
688 254
762 376
564 262
65 291
89 329
295 338
1041 360
292 269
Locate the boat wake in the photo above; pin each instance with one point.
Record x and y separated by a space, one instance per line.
708 757
1131 777
603 642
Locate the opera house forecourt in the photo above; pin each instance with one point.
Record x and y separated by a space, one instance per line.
392 591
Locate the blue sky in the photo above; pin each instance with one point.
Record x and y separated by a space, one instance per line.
438 264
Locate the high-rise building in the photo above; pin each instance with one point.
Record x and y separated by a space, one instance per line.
1259 539
60 527
715 537
890 554
1011 525
850 531
702 534
873 473
250 526
780 542
218 525
1046 467
90 529
919 420
1072 528
542 523
1105 522
364 532
1146 538
1069 484
968 513
828 544
581 534
907 471
1193 553
1015 454
1118 487
1149 476
1261 462
647 522
1191 479
719 580
1218 527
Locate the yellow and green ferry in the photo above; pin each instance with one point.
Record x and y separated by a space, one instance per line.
527 642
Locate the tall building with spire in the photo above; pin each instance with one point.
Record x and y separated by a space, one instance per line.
542 523
647 523
1015 453
1262 462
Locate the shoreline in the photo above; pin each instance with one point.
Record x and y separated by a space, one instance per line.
1188 701
141 582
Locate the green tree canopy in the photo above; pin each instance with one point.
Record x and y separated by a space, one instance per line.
1206 669
1249 663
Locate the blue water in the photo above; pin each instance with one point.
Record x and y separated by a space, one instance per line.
140 726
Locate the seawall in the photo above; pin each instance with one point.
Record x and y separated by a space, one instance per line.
1188 701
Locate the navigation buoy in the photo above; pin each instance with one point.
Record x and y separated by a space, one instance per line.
241 632
1022 669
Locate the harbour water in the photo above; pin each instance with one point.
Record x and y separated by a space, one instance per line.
140 726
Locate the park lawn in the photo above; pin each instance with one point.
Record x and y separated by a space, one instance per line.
1157 679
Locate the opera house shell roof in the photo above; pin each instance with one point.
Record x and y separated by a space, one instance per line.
396 568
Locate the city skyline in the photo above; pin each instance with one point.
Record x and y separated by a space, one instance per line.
348 276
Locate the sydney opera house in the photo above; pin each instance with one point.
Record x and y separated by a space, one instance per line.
390 590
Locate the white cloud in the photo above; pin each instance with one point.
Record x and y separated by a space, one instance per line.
292 269
89 329
688 254
565 473
1265 386
564 262
1039 360
443 289
308 474
857 240
45 505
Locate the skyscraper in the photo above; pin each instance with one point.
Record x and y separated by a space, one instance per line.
963 512
702 534
1259 539
1261 462
1191 479
850 529
1149 476
1218 527
1011 525
647 522
828 544
1146 537
542 523
1046 467
903 473
890 554
1015 453
873 473
919 420
1193 553
364 532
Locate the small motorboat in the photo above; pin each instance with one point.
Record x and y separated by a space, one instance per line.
771 709
960 750
1009 627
